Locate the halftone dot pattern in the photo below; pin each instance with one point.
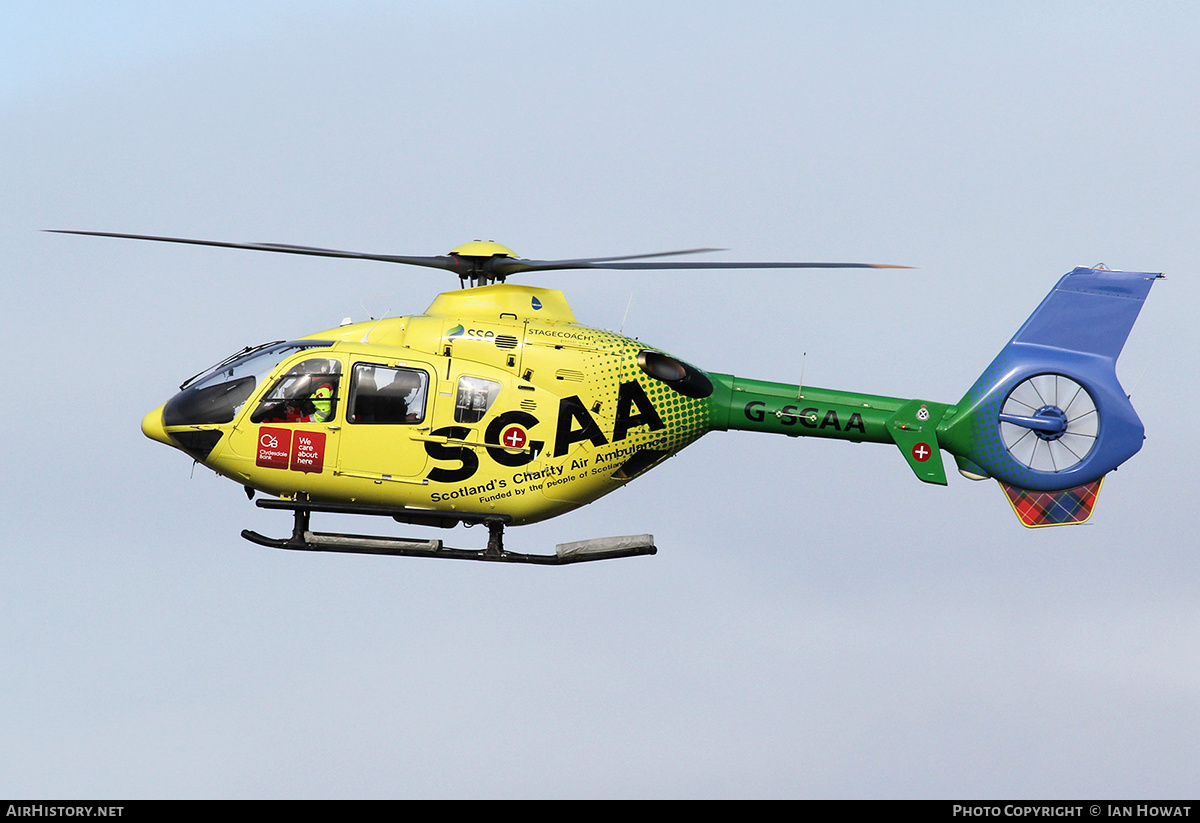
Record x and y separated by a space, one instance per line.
609 361
988 449
685 418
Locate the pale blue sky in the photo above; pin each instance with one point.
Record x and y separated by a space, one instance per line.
817 622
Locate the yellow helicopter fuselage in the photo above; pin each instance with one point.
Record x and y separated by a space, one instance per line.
494 400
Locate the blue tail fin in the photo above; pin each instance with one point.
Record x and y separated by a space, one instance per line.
1049 414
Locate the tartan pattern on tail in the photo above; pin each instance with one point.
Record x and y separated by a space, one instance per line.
1054 508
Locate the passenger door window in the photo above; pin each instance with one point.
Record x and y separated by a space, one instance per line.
387 395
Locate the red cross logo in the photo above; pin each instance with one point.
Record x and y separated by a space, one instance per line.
921 452
513 438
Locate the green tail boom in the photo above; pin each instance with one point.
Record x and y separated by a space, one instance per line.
805 411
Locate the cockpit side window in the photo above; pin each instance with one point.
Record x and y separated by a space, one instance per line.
219 394
381 394
475 397
307 393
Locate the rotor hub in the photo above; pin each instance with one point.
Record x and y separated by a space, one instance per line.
1054 418
480 259
483 249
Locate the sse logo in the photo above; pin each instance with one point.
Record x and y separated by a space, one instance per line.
470 334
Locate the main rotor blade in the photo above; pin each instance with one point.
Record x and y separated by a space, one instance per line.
723 265
625 257
505 267
498 267
442 262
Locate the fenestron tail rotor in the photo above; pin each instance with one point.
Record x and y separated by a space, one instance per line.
1049 423
484 261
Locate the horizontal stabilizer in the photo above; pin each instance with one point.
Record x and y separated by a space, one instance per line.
1064 508
914 429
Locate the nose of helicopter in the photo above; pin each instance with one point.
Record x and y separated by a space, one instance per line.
152 427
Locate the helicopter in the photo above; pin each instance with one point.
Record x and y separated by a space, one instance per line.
497 407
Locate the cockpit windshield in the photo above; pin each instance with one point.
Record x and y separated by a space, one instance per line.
218 395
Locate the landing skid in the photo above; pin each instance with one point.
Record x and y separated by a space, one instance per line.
304 539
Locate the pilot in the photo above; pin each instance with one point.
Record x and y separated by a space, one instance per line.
308 398
322 395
